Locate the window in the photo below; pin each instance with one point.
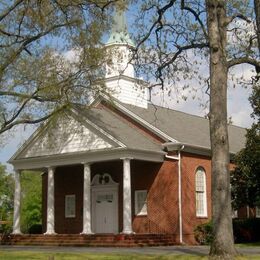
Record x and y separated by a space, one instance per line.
70 206
257 209
140 202
200 187
234 213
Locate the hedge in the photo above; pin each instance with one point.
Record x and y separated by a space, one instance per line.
245 231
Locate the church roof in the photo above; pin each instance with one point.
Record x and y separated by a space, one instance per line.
186 128
119 128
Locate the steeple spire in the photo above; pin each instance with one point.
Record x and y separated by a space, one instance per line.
119 33
120 72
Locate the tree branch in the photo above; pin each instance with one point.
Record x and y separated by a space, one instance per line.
197 17
233 17
11 8
24 95
242 60
32 121
160 12
181 49
26 42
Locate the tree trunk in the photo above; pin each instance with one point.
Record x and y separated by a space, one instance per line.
257 18
223 242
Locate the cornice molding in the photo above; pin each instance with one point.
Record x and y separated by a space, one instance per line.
87 157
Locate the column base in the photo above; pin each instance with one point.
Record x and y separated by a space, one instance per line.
16 233
127 232
49 233
86 233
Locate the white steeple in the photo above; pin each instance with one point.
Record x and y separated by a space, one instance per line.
119 47
120 74
119 33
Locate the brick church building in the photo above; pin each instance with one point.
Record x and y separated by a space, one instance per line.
122 165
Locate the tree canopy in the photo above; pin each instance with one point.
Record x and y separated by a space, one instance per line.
245 179
31 210
6 195
49 57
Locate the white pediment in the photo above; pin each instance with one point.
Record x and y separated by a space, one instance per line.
65 135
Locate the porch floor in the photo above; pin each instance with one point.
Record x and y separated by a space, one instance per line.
95 240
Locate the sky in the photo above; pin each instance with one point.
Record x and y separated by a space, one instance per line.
239 111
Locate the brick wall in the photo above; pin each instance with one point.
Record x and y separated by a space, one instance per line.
159 179
160 182
190 163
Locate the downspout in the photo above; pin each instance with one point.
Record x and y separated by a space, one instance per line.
178 158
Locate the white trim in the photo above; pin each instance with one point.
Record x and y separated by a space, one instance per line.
87 199
204 193
144 122
141 120
96 187
33 136
247 212
126 78
180 196
190 148
40 130
50 230
257 212
178 158
88 157
127 201
17 203
97 128
140 212
96 180
68 199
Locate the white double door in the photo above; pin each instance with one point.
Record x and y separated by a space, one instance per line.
105 210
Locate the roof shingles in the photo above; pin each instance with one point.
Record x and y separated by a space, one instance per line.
186 128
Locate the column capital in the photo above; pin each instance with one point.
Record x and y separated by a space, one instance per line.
126 158
50 167
86 163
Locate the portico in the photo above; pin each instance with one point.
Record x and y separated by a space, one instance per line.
93 197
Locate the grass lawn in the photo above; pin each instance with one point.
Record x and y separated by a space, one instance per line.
255 244
28 255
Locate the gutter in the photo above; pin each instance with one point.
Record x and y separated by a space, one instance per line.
178 158
190 148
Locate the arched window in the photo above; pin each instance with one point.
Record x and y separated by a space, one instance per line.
201 196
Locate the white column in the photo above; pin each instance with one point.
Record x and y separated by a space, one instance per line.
17 203
50 203
87 200
127 204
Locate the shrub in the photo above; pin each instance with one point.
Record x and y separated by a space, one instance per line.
6 228
35 229
246 230
203 233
